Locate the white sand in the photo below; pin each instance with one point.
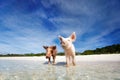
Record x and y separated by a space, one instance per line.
103 57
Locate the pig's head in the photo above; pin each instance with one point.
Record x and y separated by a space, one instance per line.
67 42
49 50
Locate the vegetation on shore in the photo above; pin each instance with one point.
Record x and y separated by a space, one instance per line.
104 50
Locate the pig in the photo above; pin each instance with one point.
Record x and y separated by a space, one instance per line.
50 51
69 49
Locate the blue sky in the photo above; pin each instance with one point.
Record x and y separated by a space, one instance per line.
27 25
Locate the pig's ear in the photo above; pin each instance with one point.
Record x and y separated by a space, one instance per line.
45 47
54 47
73 36
60 37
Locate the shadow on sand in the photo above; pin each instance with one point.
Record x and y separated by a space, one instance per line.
45 63
60 63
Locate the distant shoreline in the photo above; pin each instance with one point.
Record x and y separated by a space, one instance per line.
111 49
43 54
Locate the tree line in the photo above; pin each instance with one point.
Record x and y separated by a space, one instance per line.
104 50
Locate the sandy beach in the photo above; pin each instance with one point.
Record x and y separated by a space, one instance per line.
79 58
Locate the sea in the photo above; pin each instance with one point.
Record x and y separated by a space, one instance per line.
40 70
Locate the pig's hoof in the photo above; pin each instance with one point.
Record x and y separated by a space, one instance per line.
48 62
53 63
67 65
74 64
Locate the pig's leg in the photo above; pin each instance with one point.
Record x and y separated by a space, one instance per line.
67 61
49 61
54 59
73 60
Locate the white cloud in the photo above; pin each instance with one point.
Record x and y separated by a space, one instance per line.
28 34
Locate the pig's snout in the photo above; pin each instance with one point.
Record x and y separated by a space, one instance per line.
48 55
62 43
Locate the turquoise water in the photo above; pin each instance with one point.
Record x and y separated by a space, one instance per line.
38 70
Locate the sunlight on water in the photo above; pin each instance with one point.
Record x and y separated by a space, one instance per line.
36 70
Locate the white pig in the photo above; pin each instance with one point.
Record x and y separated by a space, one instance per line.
69 49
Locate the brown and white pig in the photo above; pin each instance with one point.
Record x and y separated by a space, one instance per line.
50 51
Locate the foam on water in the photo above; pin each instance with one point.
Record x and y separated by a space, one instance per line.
39 70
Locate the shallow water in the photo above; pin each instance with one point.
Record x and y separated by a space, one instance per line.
39 70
